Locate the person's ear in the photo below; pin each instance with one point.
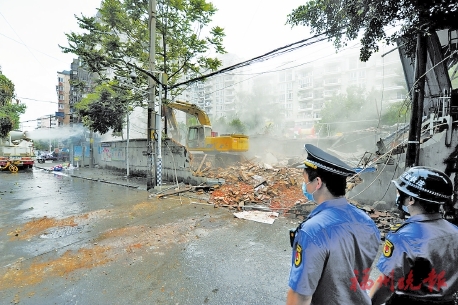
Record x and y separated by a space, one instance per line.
320 182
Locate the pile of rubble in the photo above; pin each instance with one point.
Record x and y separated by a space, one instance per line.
261 186
249 184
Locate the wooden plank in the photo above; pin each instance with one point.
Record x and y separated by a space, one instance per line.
173 192
201 163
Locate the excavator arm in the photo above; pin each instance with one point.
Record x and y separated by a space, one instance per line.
192 109
171 119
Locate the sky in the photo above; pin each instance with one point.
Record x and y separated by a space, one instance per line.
31 32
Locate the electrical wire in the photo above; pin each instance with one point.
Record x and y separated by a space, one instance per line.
279 51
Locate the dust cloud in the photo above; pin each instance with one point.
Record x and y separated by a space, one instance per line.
61 133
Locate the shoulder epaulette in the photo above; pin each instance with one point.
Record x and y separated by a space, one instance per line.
395 227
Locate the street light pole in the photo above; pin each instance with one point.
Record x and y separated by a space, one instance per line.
150 183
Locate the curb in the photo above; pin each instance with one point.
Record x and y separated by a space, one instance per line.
91 179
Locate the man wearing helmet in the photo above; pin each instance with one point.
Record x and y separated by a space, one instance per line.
419 257
335 247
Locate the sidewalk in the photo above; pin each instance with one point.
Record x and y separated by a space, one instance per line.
96 174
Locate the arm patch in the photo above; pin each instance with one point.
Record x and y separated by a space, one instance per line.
388 248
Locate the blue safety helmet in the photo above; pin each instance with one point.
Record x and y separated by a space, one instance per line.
425 183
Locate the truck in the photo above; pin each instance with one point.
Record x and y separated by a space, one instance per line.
201 137
16 151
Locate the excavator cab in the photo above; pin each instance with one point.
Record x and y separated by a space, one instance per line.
196 136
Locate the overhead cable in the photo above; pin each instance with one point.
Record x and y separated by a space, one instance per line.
279 51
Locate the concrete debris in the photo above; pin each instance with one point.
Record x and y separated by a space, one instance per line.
264 187
258 216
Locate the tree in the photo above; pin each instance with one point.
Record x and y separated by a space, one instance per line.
398 112
10 109
104 109
118 38
236 126
351 110
343 20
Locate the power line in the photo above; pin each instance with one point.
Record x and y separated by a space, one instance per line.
279 51
21 40
31 99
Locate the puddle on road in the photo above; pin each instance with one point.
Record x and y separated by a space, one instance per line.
112 245
62 232
54 227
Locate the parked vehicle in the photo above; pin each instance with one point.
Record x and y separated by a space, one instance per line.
16 151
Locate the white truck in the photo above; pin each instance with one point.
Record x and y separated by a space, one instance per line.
16 151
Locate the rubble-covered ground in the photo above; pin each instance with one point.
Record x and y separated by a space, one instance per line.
261 186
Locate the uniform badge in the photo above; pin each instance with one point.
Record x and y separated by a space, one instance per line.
298 258
388 248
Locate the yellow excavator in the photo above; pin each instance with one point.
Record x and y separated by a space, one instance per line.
202 137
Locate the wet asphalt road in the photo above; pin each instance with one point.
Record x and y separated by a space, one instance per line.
66 240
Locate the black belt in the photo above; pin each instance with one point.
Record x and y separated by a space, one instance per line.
397 299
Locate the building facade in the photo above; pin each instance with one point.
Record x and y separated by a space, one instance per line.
294 97
63 96
81 83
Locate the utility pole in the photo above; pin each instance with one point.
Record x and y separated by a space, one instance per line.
151 143
413 144
159 131
127 146
91 149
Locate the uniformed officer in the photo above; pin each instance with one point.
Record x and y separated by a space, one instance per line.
418 263
333 249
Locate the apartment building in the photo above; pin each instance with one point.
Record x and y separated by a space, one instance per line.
81 83
71 87
47 121
63 96
294 97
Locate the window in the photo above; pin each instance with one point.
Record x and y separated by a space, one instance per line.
61 97
289 96
193 135
61 106
401 95
330 81
308 94
286 76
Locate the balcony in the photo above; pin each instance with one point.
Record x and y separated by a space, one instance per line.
306 107
331 82
330 93
331 70
305 96
305 86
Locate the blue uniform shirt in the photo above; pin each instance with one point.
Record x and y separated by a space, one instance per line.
332 254
420 258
